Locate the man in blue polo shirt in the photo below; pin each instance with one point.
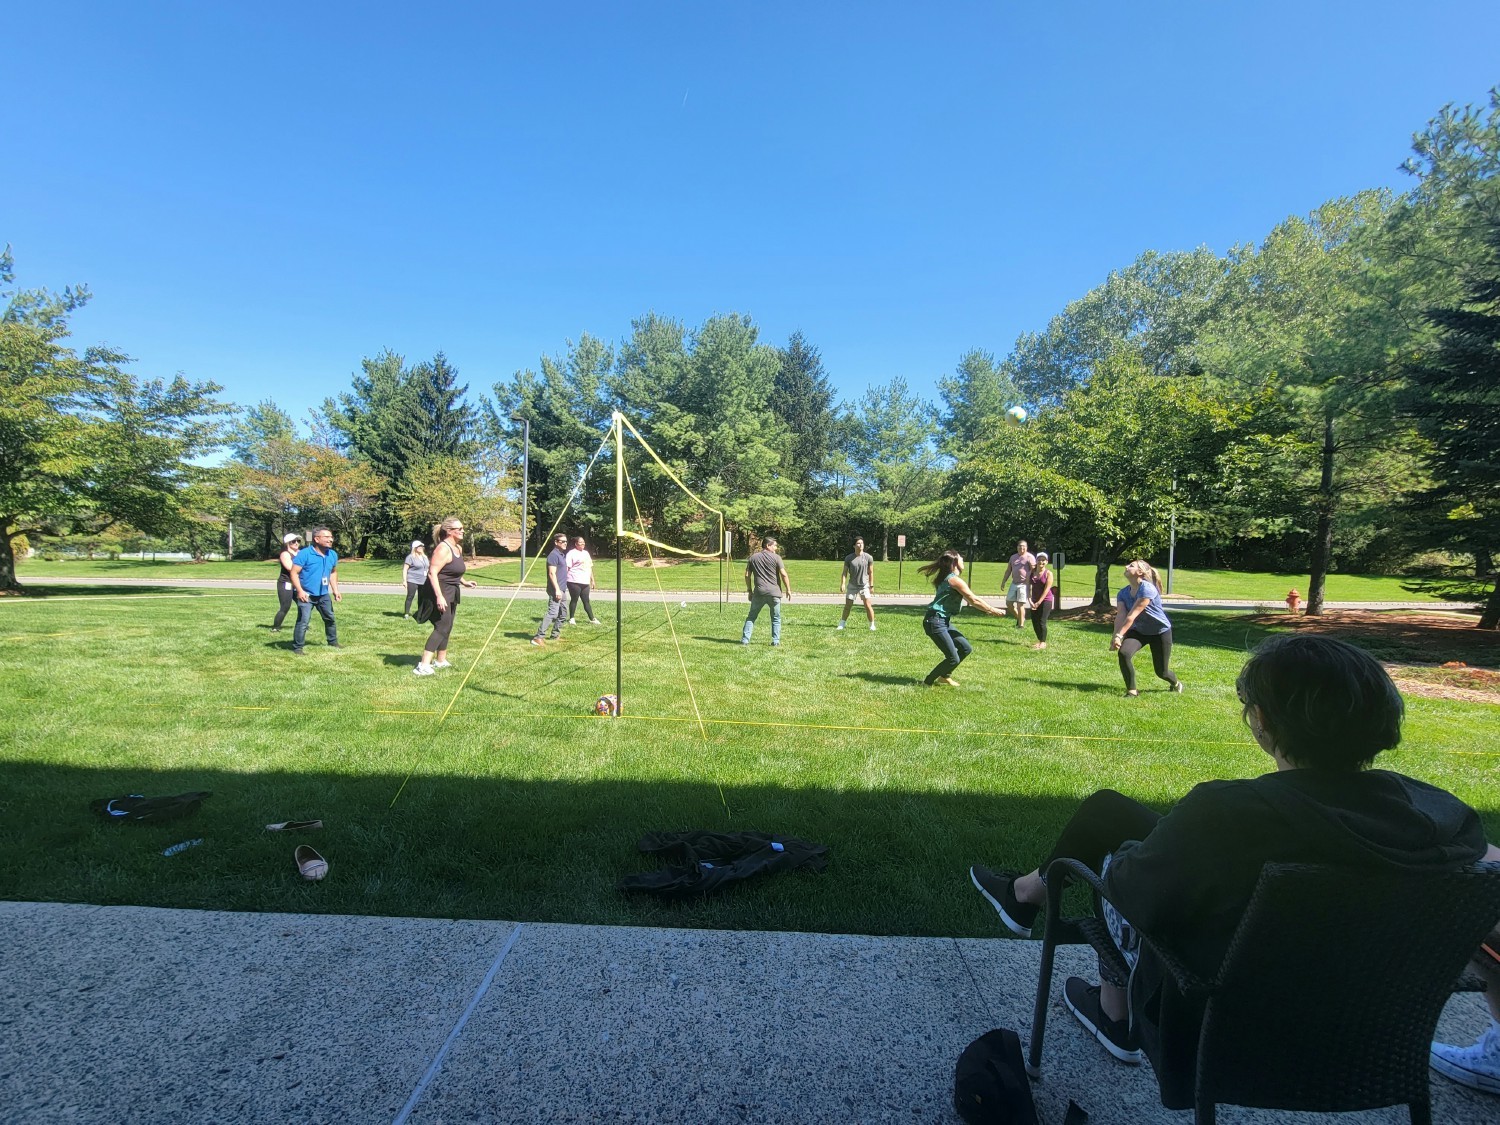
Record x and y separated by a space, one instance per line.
316 580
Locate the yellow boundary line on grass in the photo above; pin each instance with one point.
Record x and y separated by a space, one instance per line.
843 728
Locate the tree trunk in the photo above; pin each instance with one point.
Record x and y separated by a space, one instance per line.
1322 551
1483 562
364 546
1101 576
1489 619
265 538
7 562
885 544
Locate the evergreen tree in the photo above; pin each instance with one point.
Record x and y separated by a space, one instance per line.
802 400
1455 395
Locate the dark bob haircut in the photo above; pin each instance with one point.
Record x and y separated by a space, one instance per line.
1326 704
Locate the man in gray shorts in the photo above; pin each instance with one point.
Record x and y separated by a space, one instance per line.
1017 582
858 581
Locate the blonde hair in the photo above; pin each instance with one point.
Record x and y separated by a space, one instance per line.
440 532
1145 570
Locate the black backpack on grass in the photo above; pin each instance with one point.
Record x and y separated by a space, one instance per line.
137 807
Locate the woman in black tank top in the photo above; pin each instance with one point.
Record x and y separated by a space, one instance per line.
440 596
285 594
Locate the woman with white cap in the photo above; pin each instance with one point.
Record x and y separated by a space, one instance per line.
414 573
1041 598
286 594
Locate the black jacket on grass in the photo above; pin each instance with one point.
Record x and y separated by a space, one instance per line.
700 862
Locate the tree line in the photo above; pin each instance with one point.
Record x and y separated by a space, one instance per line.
1323 399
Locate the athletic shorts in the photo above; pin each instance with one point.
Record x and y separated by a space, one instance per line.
1018 592
852 592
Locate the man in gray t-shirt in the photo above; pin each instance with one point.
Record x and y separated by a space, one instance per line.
858 581
765 579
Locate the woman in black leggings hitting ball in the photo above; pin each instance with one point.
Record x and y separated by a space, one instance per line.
1140 622
440 597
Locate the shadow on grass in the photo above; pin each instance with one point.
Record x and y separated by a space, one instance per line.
40 590
441 845
1068 685
881 678
503 848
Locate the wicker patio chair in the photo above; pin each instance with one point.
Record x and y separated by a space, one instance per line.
1328 995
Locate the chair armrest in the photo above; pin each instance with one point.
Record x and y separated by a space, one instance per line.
1061 872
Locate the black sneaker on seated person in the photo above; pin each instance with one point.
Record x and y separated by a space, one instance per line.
1082 999
1018 916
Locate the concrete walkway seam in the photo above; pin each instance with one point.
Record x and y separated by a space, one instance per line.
442 1052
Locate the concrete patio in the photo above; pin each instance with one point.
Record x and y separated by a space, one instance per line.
114 1014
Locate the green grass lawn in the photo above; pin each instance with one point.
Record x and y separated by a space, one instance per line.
807 576
522 805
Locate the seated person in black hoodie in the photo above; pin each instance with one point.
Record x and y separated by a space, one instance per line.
1322 710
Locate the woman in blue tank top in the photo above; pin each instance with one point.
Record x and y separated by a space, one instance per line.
949 594
1140 622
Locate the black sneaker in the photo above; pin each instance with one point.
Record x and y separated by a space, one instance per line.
1018 916
1082 1000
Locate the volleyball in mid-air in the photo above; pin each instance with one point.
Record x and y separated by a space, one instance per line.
1015 415
607 705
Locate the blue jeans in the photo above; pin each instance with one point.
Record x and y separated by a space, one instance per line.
759 602
951 643
324 602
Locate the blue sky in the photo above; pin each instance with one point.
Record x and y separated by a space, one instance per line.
260 195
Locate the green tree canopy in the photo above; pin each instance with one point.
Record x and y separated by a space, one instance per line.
81 438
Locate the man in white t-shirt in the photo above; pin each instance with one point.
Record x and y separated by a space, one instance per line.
1017 582
580 566
858 581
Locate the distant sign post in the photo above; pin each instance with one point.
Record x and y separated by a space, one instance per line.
900 559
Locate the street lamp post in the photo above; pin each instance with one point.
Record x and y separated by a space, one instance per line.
525 479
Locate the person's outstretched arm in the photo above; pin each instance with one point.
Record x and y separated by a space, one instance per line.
974 599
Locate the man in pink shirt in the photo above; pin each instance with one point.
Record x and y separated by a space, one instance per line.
1017 582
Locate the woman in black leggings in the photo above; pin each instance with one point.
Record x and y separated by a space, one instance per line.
1140 622
441 595
1041 598
291 543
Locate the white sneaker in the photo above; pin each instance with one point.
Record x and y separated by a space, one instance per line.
595 621
1477 1067
422 670
572 622
841 625
441 664
872 626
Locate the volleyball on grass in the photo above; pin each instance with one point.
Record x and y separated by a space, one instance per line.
607 705
1015 415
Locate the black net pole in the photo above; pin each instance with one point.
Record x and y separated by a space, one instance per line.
619 625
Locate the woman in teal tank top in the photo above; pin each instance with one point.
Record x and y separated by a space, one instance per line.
949 594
